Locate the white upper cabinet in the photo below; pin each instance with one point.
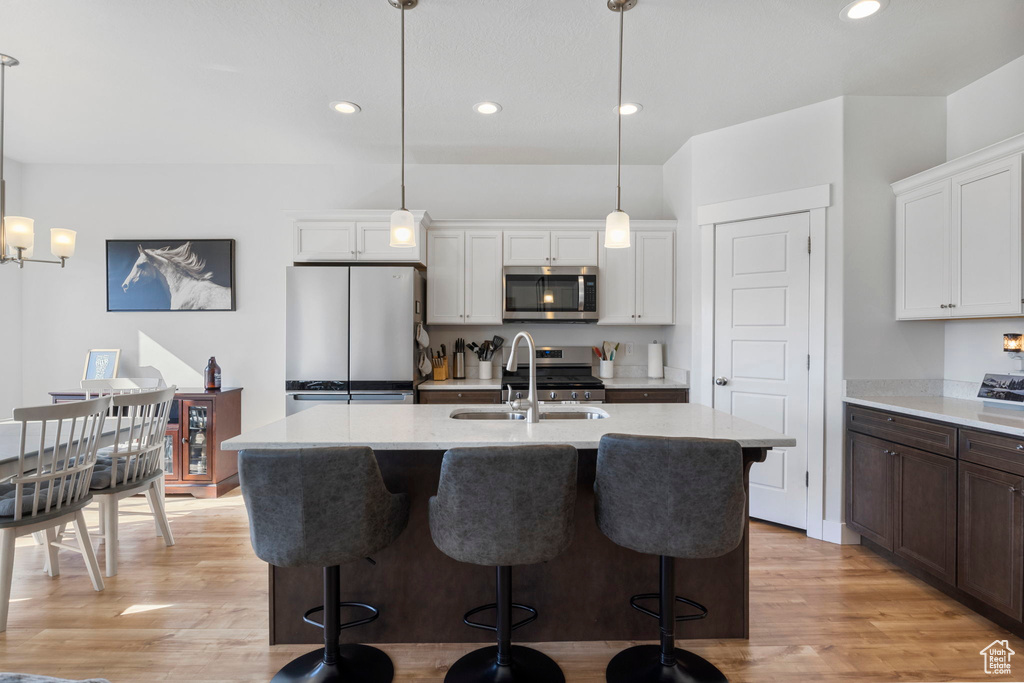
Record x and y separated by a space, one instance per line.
574 248
325 241
636 286
446 277
958 237
464 277
346 236
483 278
923 285
528 248
655 278
987 240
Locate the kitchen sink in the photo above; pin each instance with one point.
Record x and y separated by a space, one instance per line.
471 415
589 414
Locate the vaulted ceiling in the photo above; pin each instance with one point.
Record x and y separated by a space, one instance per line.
239 81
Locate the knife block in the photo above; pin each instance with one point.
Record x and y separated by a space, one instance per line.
441 371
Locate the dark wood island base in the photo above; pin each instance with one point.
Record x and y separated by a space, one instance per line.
582 595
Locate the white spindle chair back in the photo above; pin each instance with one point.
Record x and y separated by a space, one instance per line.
61 473
142 418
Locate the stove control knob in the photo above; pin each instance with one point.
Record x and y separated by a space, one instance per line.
553 395
575 395
586 395
519 394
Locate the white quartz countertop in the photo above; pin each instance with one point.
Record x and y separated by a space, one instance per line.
614 383
958 411
430 427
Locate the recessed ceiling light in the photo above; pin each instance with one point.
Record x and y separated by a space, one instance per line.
486 107
346 107
629 108
861 9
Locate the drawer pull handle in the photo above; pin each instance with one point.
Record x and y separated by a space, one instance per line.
1020 447
460 395
889 419
1013 489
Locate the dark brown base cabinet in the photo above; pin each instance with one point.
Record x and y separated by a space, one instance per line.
952 515
492 396
200 421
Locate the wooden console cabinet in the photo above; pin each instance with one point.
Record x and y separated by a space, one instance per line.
200 421
944 502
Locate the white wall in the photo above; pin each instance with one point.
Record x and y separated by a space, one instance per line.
678 202
10 289
64 311
986 111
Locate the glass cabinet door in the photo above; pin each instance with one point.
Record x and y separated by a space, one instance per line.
170 457
197 446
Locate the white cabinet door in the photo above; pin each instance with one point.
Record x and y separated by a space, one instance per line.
655 277
373 244
483 278
616 286
325 241
923 260
528 248
446 277
987 240
574 248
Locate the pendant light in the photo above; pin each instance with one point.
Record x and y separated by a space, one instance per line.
18 232
403 224
616 229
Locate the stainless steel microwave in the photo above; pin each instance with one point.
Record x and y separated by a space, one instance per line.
550 293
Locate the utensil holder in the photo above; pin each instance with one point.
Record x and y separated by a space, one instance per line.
486 369
459 366
607 369
441 371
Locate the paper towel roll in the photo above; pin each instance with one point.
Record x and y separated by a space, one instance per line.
655 362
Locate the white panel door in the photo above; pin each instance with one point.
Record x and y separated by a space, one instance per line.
446 277
574 248
325 241
655 281
986 240
616 285
761 338
374 244
923 263
483 278
528 248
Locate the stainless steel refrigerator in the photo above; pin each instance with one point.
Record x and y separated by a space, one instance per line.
351 335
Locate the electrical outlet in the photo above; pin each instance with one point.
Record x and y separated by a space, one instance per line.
629 348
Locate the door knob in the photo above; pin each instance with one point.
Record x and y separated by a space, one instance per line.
721 381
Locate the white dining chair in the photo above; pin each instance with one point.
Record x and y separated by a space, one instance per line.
52 486
133 465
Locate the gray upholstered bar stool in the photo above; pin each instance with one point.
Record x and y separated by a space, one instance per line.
499 507
674 498
322 507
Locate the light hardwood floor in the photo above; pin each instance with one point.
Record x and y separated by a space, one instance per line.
198 612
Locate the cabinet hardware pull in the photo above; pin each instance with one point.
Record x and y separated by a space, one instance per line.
943 306
952 305
184 439
460 395
889 419
646 395
1013 489
1020 447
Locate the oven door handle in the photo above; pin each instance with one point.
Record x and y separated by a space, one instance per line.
581 294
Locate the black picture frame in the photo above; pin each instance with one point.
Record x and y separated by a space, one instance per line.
205 260
1003 388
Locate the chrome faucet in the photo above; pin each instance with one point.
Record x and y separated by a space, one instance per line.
531 403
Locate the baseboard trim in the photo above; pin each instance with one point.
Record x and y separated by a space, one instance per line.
838 532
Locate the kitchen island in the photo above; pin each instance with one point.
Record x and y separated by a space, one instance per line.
581 595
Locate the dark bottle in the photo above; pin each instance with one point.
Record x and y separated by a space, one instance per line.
212 374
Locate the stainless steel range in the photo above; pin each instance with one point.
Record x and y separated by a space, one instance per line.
564 375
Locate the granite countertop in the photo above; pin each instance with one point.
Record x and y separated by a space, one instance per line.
964 412
430 427
614 383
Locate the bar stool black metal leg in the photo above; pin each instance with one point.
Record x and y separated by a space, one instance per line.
504 663
336 663
663 663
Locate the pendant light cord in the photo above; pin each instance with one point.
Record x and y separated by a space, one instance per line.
403 106
618 112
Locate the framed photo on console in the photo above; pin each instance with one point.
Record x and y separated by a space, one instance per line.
101 363
171 275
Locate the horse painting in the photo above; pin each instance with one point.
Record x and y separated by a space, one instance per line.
182 275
